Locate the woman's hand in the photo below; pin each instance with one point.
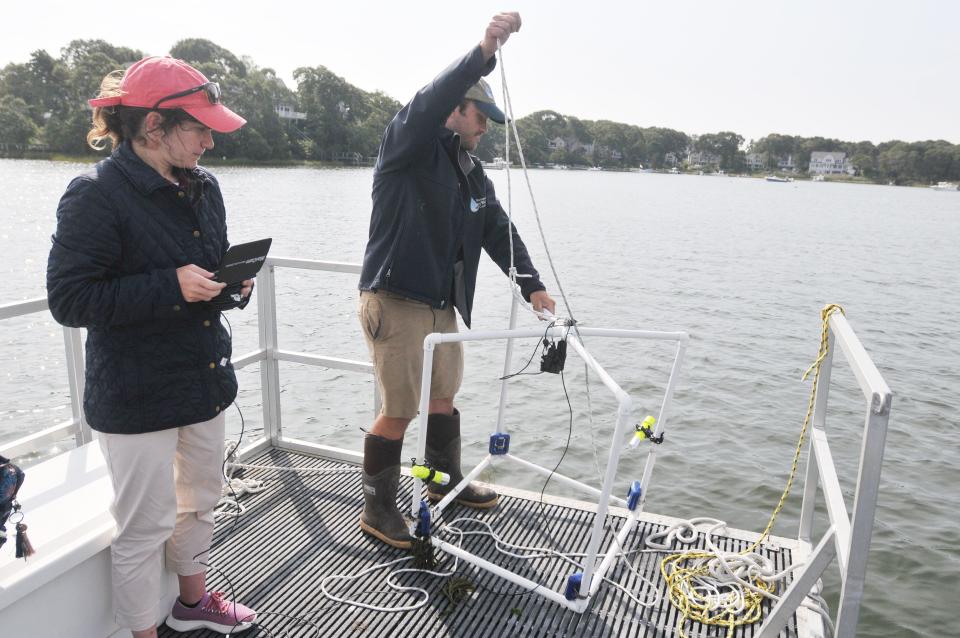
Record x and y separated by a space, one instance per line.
196 284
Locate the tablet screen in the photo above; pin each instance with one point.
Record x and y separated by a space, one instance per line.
242 261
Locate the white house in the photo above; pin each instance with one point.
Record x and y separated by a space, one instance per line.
755 161
828 163
557 143
286 112
786 163
702 159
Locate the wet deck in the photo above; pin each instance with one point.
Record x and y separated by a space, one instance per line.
304 527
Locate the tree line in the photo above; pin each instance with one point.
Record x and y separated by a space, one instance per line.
43 103
43 106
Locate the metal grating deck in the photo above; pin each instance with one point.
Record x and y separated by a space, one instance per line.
304 526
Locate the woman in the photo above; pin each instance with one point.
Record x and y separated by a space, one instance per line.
137 240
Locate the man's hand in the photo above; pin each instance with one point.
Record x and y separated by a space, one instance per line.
247 288
541 301
500 28
196 284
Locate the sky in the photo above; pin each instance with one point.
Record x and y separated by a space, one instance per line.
854 70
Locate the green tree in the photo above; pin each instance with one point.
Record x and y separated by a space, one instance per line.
215 62
864 164
726 145
662 141
777 147
16 127
82 67
898 162
936 159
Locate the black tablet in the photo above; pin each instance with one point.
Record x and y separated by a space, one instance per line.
242 261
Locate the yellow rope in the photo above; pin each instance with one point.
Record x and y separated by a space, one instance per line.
684 583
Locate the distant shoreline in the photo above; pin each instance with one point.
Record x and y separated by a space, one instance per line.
220 161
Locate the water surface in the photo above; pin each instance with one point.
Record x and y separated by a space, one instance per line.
743 265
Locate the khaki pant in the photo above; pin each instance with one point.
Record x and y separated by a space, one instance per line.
394 328
166 485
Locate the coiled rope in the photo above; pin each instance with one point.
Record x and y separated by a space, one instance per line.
725 588
234 487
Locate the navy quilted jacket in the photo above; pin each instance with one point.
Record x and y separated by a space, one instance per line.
153 360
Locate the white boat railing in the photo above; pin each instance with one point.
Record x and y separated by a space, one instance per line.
268 354
847 536
73 353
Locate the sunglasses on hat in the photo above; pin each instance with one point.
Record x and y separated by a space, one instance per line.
212 90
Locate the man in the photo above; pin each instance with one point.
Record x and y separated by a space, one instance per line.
433 210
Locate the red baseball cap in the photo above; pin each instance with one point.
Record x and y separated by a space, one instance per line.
165 82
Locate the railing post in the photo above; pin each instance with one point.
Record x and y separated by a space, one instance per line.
819 420
73 350
270 366
864 510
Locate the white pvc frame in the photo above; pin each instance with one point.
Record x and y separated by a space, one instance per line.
593 570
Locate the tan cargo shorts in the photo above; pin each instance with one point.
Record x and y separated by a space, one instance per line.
394 328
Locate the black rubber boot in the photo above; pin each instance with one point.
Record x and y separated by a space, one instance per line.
380 517
443 453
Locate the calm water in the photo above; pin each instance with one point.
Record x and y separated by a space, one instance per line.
743 265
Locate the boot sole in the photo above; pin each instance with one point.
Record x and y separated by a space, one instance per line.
383 538
485 505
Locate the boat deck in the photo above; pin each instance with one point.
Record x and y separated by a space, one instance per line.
304 527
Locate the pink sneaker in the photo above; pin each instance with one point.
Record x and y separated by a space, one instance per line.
212 612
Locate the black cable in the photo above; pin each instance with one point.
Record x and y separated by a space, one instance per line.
532 355
541 512
243 427
566 448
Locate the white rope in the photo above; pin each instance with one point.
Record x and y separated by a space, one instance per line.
230 493
512 125
422 595
290 468
728 573
233 488
512 549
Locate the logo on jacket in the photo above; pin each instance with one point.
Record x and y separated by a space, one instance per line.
477 204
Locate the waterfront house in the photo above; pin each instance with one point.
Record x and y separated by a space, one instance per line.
786 163
286 112
755 161
703 159
828 163
557 144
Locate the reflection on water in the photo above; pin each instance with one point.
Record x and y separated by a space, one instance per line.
743 265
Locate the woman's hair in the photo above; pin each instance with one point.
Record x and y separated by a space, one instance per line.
121 123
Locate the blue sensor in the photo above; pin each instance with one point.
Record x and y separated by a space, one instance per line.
633 495
499 443
573 586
